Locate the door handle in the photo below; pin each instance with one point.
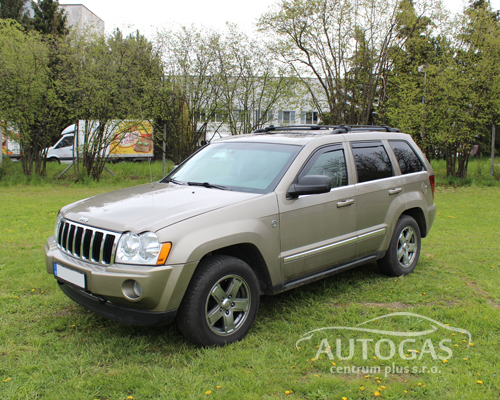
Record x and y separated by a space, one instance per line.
344 203
395 191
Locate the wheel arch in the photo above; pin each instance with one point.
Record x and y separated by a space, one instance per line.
250 254
418 215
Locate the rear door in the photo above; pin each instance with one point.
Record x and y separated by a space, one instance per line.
318 231
379 194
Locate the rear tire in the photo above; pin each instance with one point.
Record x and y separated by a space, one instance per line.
220 303
403 252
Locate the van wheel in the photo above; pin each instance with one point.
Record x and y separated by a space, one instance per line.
403 252
53 159
221 302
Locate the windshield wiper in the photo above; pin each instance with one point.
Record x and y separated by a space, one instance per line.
208 185
173 181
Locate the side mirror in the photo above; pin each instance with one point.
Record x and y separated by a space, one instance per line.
310 184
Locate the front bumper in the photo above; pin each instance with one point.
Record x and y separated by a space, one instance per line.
106 288
106 309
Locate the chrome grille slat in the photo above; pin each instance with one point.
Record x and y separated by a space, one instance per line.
87 243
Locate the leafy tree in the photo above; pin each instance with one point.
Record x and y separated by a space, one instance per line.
14 9
343 45
114 77
27 94
253 88
191 64
49 18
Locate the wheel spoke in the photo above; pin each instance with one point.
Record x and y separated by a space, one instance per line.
409 235
406 259
401 252
412 247
234 287
218 294
228 322
214 315
241 304
402 239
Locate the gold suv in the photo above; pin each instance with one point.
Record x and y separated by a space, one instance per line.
244 216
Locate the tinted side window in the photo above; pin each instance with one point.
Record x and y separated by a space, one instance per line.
407 159
372 161
330 163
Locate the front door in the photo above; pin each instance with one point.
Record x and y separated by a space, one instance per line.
318 231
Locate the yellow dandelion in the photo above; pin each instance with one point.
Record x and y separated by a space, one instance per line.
383 387
471 344
130 398
445 361
6 380
419 384
361 388
208 392
288 391
313 359
376 394
344 398
480 382
367 376
219 387
406 391
333 364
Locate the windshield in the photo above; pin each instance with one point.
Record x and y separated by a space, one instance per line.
242 166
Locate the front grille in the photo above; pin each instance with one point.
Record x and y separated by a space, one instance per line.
87 243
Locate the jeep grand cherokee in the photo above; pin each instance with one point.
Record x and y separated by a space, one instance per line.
244 216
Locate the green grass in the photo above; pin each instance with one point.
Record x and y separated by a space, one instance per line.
52 348
478 173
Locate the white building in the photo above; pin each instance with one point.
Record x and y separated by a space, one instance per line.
81 18
78 16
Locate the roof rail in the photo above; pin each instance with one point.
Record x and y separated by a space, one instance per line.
333 128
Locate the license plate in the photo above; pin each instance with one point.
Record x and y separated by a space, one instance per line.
69 275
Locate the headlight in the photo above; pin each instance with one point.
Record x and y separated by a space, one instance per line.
141 249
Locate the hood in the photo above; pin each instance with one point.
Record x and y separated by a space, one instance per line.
146 208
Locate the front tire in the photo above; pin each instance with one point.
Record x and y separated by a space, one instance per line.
221 302
404 250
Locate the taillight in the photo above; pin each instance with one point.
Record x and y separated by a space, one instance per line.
433 184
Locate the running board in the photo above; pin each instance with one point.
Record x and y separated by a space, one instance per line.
326 272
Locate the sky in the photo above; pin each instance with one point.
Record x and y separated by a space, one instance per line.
148 15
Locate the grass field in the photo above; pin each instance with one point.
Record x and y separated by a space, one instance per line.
52 348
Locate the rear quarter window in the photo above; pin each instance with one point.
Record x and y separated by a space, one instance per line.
408 160
372 161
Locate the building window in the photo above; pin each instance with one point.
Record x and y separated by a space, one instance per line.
286 117
309 117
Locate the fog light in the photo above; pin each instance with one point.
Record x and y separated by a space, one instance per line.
132 289
137 289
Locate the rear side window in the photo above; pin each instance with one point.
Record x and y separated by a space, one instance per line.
331 163
372 161
407 159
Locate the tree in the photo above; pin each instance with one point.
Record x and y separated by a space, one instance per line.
190 62
25 89
16 10
49 18
342 45
114 77
253 85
